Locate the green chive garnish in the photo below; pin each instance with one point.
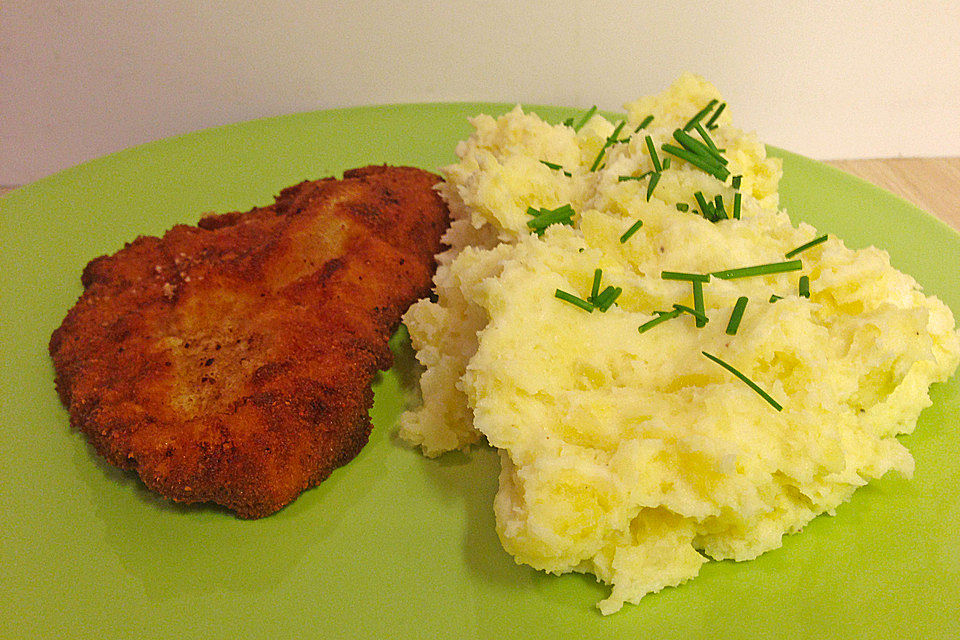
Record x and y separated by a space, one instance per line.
759 270
699 115
698 303
632 230
804 247
805 286
704 161
609 141
775 297
644 123
556 167
719 212
543 221
586 117
606 299
543 218
737 199
654 179
574 300
683 206
706 209
693 145
639 177
666 163
737 315
700 317
708 164
706 138
750 383
661 317
654 157
682 275
597 299
716 114
597 275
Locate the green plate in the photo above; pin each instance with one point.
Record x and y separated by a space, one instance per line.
394 545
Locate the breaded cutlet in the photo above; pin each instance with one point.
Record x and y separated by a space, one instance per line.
231 362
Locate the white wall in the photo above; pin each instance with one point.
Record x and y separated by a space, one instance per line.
829 80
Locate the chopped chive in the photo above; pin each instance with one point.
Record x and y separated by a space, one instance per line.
706 209
700 317
699 115
568 122
804 247
682 275
586 118
736 181
574 300
611 139
736 205
707 164
805 286
750 383
721 213
598 300
706 138
716 114
596 161
565 209
698 303
654 157
632 230
654 179
662 316
557 167
736 316
693 145
543 218
703 161
597 275
759 270
775 297
700 199
639 177
666 163
683 206
613 298
606 299
644 123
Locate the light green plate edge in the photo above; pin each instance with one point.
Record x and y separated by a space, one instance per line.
394 545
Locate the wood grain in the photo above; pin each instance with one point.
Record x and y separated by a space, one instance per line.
933 184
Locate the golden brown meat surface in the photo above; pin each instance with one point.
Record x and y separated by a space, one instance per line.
232 362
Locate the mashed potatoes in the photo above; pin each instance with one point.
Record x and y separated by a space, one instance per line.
632 455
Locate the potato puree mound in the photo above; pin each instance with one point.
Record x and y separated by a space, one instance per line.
629 454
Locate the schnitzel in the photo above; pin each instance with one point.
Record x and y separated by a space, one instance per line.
232 362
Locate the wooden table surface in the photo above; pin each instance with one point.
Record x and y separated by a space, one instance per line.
933 184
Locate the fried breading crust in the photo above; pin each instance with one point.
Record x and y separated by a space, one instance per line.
232 362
